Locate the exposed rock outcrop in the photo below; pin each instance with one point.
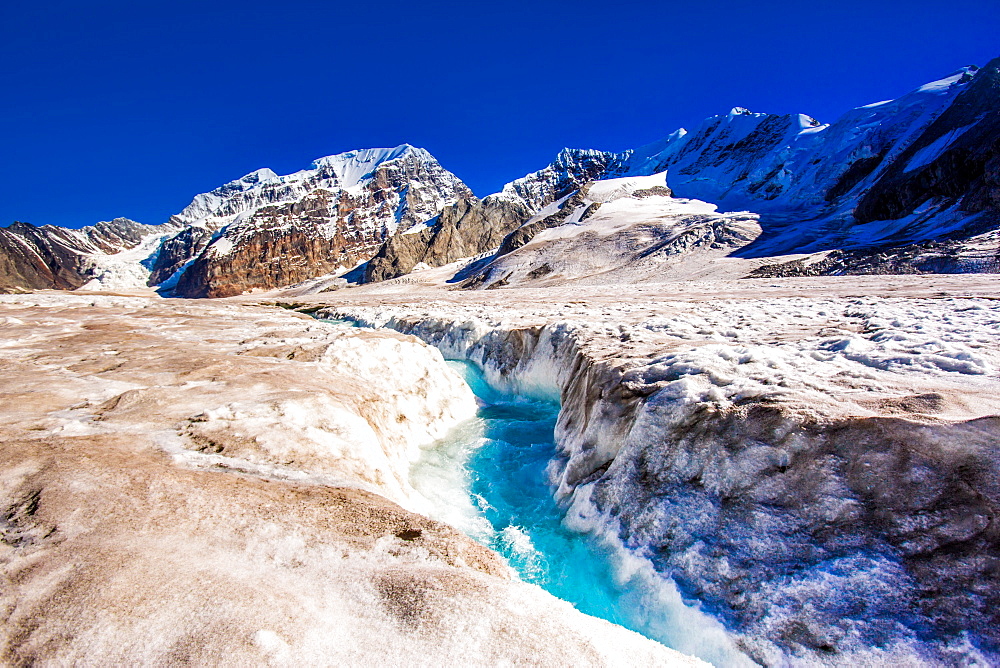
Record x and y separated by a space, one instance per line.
177 252
280 245
527 232
980 254
464 229
334 216
955 159
474 227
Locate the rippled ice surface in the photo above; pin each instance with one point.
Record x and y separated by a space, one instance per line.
489 480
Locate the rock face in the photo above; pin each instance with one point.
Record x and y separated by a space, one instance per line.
281 230
464 229
56 257
474 227
176 253
956 159
571 169
260 231
280 245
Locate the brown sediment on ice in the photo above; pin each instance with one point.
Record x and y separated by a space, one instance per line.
217 483
814 457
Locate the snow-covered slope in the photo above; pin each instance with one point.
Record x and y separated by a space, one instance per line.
792 168
771 161
921 170
126 270
623 230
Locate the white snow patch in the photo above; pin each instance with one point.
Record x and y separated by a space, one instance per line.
609 190
930 153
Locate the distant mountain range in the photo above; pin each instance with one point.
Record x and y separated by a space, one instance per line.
902 186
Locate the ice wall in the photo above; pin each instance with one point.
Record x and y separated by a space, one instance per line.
830 500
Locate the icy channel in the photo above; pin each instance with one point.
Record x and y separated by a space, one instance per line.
488 478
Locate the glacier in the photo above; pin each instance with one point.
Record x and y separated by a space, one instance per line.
743 451
228 484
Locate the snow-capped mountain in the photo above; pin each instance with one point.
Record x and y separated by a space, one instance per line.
277 230
911 184
793 163
353 173
260 231
873 178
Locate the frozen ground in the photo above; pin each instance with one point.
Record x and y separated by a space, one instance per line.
811 461
215 483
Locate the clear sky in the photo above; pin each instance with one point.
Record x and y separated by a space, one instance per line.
131 108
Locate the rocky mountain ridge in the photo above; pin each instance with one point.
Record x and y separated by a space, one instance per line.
260 231
57 257
275 231
918 172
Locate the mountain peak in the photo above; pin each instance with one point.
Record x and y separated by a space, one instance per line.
351 167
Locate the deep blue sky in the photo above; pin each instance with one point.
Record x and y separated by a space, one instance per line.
129 109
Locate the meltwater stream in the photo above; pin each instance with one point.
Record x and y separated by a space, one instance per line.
488 479
497 463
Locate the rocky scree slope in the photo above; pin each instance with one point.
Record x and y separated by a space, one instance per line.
819 474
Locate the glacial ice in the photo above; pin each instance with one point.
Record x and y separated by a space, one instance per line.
488 479
729 445
172 491
127 270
